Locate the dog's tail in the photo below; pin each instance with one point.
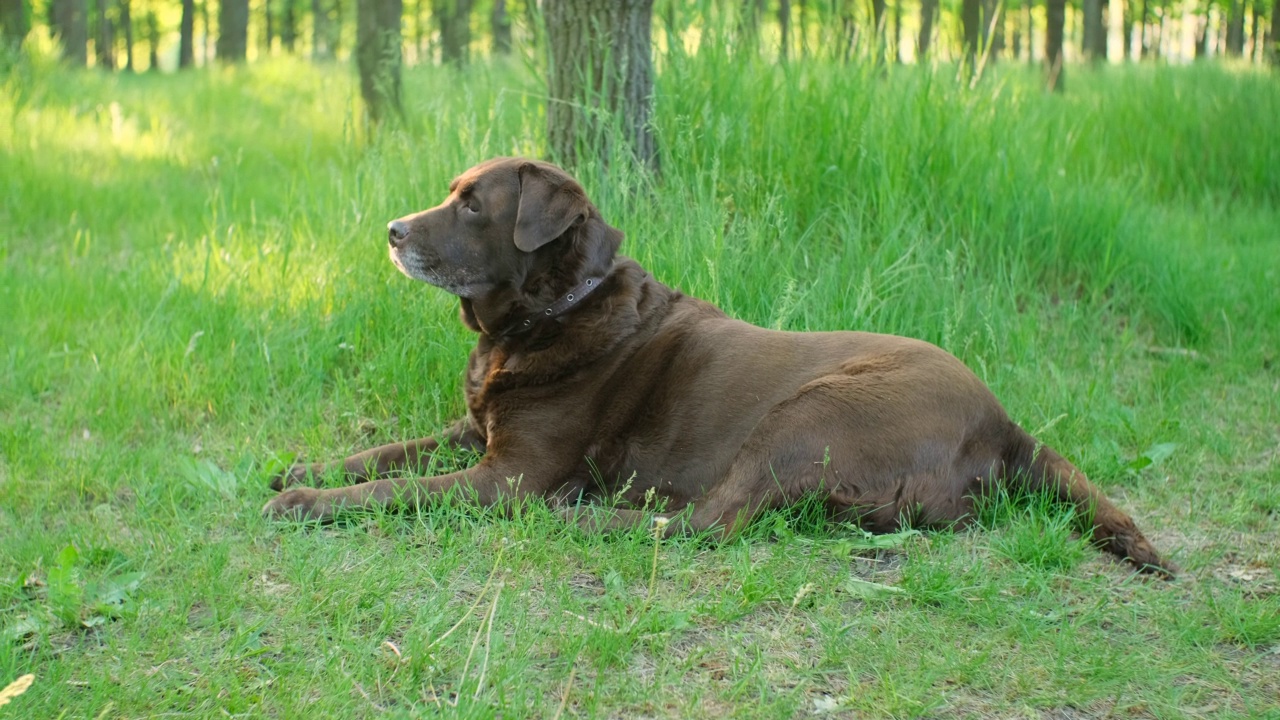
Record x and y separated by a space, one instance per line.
1037 468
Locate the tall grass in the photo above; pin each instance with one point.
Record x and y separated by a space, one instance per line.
194 286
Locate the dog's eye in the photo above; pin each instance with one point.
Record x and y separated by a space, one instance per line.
470 206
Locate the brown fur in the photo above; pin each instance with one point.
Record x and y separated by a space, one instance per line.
643 388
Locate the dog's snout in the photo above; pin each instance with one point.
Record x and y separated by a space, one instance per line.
397 231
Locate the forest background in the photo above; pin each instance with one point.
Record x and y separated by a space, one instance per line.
1081 201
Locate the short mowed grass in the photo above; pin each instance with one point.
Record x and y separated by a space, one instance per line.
194 290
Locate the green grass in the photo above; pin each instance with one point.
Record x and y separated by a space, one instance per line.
194 288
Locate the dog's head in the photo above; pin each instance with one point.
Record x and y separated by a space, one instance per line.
508 225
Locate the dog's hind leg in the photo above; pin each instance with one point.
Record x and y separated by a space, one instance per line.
382 461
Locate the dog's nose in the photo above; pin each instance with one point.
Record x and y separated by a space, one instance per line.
397 232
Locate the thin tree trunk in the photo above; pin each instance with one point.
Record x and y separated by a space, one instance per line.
784 24
73 30
1235 29
102 45
186 36
747 40
321 30
126 21
13 22
268 16
1273 37
1091 12
500 25
1128 47
897 31
1144 47
233 30
971 19
153 42
1055 20
453 17
600 81
878 8
289 26
378 56
206 55
928 13
335 35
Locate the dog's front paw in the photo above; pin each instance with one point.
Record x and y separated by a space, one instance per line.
298 504
296 475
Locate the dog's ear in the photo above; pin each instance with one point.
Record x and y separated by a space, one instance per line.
548 207
598 243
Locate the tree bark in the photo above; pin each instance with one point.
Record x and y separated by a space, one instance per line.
971 19
1091 12
1235 29
1144 47
289 26
378 56
126 22
268 16
878 8
453 17
600 81
13 22
1273 37
928 14
102 43
186 36
233 31
1055 20
153 42
500 25
321 43
784 25
72 20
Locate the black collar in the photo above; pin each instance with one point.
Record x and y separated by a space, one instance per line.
562 305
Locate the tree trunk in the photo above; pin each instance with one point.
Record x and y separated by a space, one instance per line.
747 40
378 56
72 18
153 42
453 17
878 8
1055 20
897 31
928 14
126 21
600 81
233 30
13 22
335 34
500 24
289 26
1235 29
1202 35
268 16
1128 49
784 25
993 29
206 56
1091 12
321 48
103 42
186 36
1144 47
971 19
848 31
1273 37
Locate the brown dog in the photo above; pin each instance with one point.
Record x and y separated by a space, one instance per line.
592 377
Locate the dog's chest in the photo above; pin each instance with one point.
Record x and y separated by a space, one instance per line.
485 375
